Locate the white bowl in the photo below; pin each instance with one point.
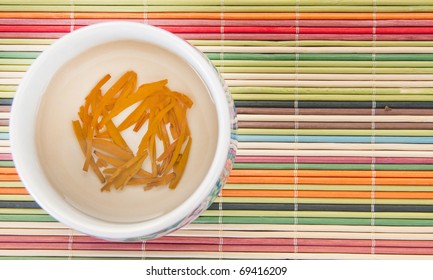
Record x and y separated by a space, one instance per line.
48 159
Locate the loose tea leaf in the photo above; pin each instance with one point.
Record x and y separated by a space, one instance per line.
159 110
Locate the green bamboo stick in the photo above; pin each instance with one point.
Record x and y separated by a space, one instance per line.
326 97
21 55
324 70
360 132
351 91
245 64
7 163
402 222
322 56
26 218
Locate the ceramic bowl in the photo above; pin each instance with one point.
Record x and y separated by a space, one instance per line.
48 157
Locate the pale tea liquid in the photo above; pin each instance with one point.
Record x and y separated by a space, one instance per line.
61 155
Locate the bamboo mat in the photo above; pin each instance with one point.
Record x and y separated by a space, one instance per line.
335 109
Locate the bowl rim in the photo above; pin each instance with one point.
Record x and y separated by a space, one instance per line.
25 110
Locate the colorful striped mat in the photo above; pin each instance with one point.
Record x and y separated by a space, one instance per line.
334 101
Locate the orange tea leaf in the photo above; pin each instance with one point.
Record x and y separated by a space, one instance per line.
114 133
179 167
112 148
156 108
80 137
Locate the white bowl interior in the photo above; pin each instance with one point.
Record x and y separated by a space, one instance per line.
49 160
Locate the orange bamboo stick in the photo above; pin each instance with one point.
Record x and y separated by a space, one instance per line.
404 195
338 181
9 177
13 191
404 181
256 193
8 170
333 194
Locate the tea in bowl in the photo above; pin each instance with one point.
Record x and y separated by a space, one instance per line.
123 131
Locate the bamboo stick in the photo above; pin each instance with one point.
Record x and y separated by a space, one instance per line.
328 90
206 255
227 2
233 15
326 77
334 118
218 8
307 228
320 63
333 132
330 173
321 50
334 146
292 83
317 152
